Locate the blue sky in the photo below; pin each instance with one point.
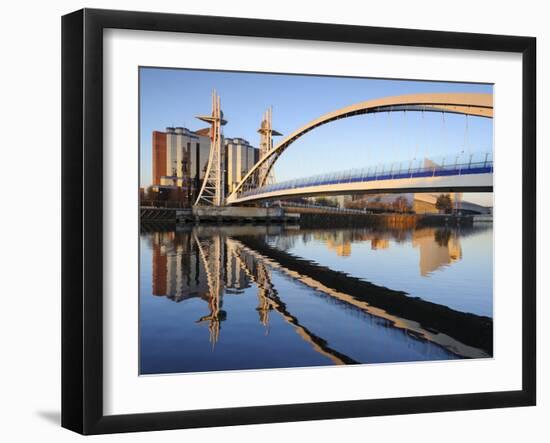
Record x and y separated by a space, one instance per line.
173 97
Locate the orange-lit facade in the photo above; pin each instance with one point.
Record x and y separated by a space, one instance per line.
180 160
159 156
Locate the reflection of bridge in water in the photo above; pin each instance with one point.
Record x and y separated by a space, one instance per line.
213 262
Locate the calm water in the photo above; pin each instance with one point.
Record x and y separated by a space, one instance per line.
251 297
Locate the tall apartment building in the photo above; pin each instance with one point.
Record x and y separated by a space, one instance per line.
240 157
180 159
159 156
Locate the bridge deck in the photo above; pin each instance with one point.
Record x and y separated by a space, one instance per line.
466 177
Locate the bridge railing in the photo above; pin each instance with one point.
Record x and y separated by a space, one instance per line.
455 165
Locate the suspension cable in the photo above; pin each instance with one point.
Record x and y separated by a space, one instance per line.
444 133
366 138
404 131
417 137
390 130
424 142
466 137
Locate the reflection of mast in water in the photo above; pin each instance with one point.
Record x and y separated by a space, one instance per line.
212 258
264 285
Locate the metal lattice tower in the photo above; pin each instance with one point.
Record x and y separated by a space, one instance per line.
265 175
212 191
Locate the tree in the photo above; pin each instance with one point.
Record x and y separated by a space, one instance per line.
401 204
443 203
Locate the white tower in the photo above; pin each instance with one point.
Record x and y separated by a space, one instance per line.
213 186
266 144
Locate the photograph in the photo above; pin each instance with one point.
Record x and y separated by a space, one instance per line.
291 221
253 222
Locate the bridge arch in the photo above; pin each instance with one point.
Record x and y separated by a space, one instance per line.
475 104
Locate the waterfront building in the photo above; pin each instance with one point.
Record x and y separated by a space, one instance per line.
180 159
425 203
401 202
343 200
159 156
419 203
240 157
179 152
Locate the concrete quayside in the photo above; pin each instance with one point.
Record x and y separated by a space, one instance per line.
302 216
218 214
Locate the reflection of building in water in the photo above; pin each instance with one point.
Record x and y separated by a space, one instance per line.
159 266
235 279
177 271
438 247
341 242
180 274
184 267
379 243
207 262
342 249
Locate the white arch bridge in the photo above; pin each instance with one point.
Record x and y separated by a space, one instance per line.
456 175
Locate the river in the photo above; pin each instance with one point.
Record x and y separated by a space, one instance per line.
257 297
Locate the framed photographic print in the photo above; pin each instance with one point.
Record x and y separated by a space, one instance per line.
269 221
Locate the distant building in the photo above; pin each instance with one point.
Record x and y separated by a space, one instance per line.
343 200
401 202
420 203
240 157
425 203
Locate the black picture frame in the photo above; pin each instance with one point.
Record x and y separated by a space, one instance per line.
82 215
